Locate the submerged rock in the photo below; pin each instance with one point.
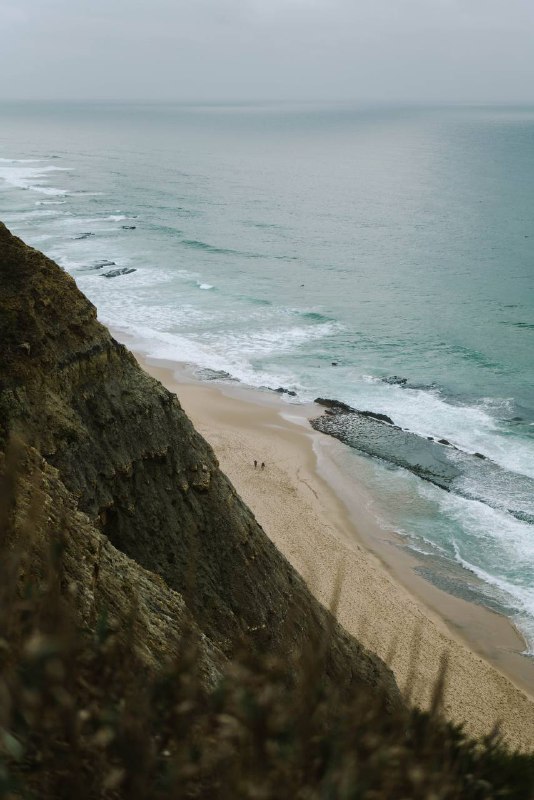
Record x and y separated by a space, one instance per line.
100 264
114 273
395 380
370 434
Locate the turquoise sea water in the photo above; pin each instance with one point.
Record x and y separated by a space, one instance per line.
269 242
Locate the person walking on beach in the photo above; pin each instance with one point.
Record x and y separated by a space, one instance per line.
263 464
255 463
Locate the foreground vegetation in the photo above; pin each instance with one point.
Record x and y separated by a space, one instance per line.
81 716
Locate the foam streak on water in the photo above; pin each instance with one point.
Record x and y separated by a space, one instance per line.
381 257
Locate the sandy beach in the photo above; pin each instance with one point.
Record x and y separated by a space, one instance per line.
321 524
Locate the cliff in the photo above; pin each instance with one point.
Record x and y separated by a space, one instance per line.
147 517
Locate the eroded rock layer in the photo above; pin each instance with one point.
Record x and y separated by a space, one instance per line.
143 488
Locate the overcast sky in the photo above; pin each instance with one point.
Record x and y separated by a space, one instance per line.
225 50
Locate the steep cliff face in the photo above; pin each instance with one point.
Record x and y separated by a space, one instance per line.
106 587
144 482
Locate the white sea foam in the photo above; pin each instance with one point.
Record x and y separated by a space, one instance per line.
519 597
495 547
205 286
471 428
264 341
24 177
49 190
176 347
499 538
31 216
81 223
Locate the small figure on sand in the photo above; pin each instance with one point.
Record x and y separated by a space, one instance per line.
263 464
255 463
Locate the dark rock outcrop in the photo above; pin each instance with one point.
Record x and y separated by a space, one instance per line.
376 415
395 380
334 406
337 407
114 273
100 264
140 482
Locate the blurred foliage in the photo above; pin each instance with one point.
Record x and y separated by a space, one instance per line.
81 719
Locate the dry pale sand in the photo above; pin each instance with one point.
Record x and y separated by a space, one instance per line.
321 535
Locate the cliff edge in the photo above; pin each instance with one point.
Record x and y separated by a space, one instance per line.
146 508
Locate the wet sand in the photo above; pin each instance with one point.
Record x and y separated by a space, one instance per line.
320 521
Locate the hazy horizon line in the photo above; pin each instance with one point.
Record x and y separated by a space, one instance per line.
250 102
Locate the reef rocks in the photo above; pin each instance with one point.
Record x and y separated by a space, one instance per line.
114 273
337 407
470 475
99 264
395 380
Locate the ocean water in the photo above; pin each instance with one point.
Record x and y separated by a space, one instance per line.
383 257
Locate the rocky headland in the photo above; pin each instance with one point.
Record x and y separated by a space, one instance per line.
144 506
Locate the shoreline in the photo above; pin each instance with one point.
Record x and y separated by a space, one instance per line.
319 519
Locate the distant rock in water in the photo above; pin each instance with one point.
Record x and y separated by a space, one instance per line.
395 380
128 227
114 273
281 390
99 265
84 235
524 516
